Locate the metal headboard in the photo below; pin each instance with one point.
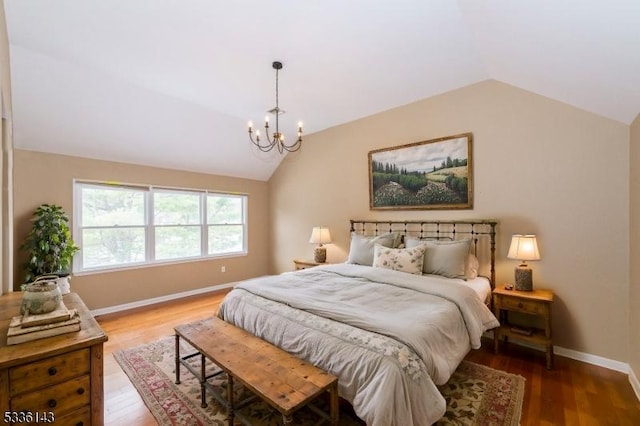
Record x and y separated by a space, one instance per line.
481 232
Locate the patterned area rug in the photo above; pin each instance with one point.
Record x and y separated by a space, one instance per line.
475 394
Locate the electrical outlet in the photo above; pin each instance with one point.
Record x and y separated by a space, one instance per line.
223 269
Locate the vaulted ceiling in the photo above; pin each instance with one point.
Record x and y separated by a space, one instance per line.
173 83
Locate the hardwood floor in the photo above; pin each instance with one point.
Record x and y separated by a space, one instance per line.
123 404
573 393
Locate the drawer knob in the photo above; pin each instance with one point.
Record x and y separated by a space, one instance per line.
520 305
52 403
52 371
80 391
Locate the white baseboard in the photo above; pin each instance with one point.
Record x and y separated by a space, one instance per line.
160 299
635 384
611 364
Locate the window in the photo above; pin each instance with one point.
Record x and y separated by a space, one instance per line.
177 223
113 226
225 219
119 226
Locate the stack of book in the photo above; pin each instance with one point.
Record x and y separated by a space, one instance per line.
29 327
522 330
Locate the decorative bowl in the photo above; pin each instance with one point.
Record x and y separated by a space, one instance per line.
40 297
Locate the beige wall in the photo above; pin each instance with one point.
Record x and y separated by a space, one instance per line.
5 81
540 166
634 282
47 178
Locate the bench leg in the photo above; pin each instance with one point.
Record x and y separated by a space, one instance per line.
177 359
334 406
230 398
203 379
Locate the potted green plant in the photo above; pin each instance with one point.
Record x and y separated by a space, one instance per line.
49 245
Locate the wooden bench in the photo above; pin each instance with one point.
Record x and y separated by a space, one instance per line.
283 381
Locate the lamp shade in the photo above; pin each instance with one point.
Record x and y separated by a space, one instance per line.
523 247
320 235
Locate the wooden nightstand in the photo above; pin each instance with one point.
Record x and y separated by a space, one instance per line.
536 302
304 264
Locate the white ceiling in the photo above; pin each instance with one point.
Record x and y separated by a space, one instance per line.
173 83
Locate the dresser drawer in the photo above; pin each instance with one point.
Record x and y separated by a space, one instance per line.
521 305
60 398
48 371
81 417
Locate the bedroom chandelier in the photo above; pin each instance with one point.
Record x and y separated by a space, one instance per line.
277 140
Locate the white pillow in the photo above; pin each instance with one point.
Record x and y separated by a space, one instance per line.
397 239
471 267
361 248
406 260
446 258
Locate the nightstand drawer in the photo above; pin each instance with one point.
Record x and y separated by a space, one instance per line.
304 264
48 371
520 305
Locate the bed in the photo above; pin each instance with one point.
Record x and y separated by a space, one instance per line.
392 322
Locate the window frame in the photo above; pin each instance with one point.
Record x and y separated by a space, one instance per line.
150 227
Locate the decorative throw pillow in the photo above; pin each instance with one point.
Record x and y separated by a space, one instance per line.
361 248
406 260
446 258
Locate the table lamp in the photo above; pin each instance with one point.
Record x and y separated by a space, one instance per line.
523 248
320 235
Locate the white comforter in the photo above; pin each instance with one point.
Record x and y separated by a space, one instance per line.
389 336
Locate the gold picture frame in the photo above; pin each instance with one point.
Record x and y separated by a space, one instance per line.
431 175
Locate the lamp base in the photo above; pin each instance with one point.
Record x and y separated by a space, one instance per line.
524 279
320 254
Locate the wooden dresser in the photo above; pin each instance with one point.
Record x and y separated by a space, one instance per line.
56 378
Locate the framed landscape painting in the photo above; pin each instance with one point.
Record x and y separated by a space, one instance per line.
434 174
